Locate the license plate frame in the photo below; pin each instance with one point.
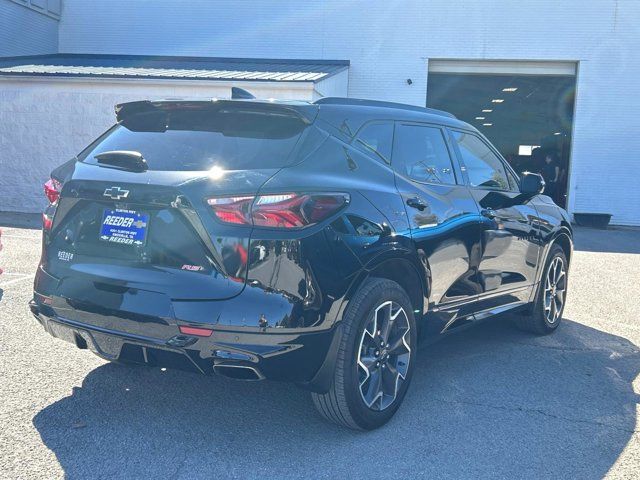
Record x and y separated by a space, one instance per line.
124 227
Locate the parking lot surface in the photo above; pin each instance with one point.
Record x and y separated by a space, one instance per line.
488 402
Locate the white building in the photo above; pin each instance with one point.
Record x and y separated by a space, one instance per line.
574 65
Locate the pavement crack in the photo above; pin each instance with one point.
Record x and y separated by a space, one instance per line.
539 412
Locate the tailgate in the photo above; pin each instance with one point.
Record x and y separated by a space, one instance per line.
156 239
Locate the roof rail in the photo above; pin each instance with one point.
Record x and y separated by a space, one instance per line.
377 103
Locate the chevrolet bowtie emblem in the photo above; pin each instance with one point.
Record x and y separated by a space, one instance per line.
116 193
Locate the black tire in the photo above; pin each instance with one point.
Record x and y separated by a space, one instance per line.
536 319
344 404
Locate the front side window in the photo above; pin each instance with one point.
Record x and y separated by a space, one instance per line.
377 139
513 182
420 152
483 167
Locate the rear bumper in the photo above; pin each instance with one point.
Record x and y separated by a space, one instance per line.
295 355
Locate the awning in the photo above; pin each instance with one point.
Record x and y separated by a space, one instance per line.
178 68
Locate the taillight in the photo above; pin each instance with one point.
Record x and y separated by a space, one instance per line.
52 190
232 209
288 210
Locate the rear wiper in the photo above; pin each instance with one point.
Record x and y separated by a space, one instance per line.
124 159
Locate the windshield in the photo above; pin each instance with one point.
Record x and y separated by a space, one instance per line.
199 139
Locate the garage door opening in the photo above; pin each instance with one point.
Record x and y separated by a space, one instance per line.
527 114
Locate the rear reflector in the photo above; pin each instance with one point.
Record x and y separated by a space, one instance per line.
198 332
288 210
47 221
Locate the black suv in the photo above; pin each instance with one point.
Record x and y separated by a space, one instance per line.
307 242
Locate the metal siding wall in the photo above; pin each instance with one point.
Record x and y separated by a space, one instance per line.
389 41
26 32
44 122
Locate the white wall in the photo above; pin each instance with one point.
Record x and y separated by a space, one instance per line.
389 41
44 122
27 29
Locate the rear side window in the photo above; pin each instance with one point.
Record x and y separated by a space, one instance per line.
377 138
483 167
420 152
199 139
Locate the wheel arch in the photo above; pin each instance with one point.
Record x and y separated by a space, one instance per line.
563 237
404 273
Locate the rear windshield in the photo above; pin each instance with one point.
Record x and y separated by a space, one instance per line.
200 139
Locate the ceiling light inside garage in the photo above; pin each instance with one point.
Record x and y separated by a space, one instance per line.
487 110
510 89
487 124
497 100
480 118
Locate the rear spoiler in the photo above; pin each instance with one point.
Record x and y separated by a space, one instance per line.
304 111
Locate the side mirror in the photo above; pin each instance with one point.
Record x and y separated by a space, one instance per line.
531 183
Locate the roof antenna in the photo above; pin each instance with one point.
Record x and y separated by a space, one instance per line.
240 93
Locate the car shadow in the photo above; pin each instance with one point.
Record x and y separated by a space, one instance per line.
612 240
490 401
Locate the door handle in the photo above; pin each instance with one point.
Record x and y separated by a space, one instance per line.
415 202
488 212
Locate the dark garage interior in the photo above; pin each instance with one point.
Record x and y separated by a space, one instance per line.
527 117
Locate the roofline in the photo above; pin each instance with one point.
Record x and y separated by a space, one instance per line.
298 61
205 63
107 76
361 102
89 79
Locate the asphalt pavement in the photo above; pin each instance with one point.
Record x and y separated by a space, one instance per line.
488 402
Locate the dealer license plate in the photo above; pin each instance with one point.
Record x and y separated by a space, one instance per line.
126 227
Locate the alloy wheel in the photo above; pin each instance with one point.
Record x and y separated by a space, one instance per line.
554 290
383 356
